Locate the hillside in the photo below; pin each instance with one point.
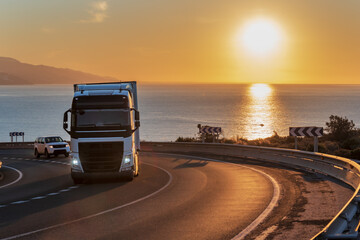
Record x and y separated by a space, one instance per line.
14 72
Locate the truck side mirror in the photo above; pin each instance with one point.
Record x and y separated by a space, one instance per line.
137 116
65 121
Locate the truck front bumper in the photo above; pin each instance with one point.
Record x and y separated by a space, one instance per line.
101 175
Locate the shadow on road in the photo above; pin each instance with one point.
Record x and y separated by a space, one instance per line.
192 164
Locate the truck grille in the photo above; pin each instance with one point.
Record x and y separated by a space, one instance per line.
59 146
101 156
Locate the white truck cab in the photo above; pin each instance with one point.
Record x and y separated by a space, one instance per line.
104 131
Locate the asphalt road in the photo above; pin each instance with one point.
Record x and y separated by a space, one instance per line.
173 198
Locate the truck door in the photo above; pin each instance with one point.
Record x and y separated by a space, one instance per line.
41 146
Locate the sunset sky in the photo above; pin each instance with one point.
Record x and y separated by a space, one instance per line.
202 41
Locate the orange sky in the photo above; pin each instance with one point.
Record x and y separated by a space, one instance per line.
161 41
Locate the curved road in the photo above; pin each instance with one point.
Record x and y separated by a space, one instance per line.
174 197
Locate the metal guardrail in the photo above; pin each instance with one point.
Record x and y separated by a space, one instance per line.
344 225
7 145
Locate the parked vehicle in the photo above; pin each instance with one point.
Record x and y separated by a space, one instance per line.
51 146
104 131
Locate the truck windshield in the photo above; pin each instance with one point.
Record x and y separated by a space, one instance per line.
53 139
103 118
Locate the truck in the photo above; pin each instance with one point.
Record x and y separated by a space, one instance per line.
104 131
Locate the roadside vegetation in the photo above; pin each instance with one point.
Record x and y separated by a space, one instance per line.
341 138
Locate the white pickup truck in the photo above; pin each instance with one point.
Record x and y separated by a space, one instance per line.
50 146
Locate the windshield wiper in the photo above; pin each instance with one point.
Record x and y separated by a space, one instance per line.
113 125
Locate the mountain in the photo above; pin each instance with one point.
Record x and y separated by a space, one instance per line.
14 72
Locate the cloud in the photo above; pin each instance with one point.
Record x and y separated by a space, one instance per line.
98 12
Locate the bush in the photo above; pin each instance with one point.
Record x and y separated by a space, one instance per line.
322 148
340 128
351 143
242 141
343 153
331 147
355 153
229 141
186 139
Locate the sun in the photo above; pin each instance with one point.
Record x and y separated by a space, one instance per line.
260 90
261 36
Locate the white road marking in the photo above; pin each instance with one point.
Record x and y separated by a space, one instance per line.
16 180
39 197
99 213
21 175
267 211
266 233
53 194
39 160
19 202
65 190
273 203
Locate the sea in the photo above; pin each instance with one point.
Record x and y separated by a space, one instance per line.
169 111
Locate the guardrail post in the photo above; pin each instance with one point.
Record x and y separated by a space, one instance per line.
316 144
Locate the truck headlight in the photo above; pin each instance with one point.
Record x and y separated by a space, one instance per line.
50 146
67 145
75 162
127 160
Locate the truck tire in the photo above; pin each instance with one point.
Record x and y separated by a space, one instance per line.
77 180
130 176
47 155
36 153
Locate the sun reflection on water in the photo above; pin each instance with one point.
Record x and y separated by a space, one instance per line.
259 121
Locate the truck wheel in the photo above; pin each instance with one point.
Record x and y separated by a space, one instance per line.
47 155
130 176
77 180
36 153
